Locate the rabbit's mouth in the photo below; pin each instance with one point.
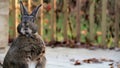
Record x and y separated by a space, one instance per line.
26 31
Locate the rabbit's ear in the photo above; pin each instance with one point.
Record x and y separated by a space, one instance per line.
35 11
23 9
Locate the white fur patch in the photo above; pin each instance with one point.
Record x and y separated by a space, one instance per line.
29 30
22 31
32 64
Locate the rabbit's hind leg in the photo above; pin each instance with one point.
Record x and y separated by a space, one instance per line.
41 63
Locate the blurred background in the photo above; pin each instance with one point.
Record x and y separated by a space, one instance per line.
77 33
73 22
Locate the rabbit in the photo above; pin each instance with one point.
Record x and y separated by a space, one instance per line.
28 49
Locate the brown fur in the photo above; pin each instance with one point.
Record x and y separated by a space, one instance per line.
24 48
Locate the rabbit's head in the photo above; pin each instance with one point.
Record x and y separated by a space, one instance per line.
27 27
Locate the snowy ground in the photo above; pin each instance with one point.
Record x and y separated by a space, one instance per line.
60 57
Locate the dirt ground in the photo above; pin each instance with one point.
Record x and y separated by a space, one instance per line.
61 57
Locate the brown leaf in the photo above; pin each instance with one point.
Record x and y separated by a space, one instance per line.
106 60
77 62
111 64
91 60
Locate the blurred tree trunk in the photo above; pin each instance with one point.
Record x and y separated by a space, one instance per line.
53 20
78 20
4 25
103 22
65 24
41 19
29 6
15 16
117 17
92 19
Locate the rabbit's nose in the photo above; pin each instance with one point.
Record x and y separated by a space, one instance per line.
25 22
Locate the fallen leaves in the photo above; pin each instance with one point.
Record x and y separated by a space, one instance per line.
91 61
77 62
111 65
72 44
106 60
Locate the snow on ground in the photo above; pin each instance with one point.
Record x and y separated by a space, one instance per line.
60 57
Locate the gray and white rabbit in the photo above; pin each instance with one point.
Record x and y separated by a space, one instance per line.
28 49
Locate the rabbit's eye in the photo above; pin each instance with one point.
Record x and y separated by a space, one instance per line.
32 20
